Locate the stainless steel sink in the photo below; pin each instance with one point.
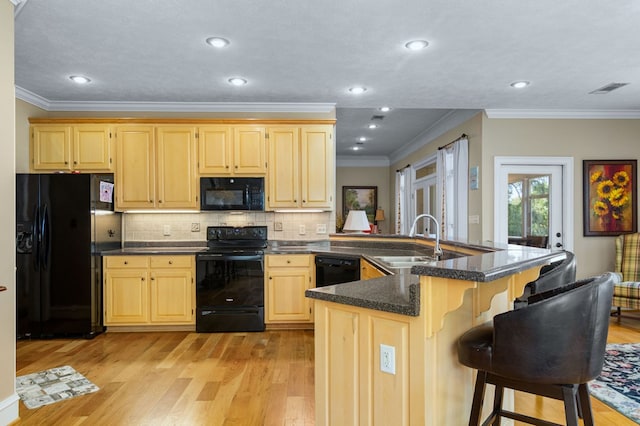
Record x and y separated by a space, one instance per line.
409 261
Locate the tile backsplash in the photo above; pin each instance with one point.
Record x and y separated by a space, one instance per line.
193 226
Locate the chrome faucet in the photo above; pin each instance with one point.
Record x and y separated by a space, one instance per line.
437 251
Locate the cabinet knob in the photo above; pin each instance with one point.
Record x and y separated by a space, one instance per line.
295 201
142 278
171 262
159 201
152 279
66 162
227 167
236 166
3 288
270 278
126 262
304 201
288 261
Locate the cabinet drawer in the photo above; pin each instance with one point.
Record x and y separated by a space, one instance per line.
171 261
127 261
284 260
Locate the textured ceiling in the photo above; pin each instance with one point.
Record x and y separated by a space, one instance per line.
295 51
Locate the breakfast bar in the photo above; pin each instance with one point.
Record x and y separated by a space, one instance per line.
385 348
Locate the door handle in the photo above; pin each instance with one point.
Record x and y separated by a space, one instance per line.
3 288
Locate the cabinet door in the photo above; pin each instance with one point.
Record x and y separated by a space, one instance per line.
126 297
176 166
249 150
284 174
51 147
135 170
317 166
284 295
92 148
215 150
172 296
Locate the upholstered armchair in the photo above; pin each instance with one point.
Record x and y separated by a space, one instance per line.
626 294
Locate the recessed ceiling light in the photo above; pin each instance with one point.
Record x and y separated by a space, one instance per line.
357 90
385 109
80 79
356 148
217 42
373 126
520 84
416 44
362 139
237 81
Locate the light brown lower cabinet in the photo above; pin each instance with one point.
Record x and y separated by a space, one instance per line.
149 290
287 277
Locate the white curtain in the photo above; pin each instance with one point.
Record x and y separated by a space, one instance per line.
453 179
403 200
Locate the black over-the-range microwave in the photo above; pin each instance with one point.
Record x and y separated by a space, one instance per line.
235 193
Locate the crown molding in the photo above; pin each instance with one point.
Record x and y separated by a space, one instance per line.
362 161
449 121
250 107
563 114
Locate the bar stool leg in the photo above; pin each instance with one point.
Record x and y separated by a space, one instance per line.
478 398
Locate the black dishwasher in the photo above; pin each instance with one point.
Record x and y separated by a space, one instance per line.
336 270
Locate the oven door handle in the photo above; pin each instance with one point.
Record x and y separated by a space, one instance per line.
238 256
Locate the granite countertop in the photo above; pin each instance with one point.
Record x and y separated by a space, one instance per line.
398 292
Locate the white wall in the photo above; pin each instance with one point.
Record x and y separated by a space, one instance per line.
8 398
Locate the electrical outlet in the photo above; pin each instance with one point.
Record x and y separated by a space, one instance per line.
302 230
387 359
166 230
321 228
277 226
195 227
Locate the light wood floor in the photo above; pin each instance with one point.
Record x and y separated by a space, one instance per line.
246 379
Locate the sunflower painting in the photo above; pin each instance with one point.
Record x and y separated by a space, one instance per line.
609 197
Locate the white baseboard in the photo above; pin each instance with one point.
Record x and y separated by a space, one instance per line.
9 410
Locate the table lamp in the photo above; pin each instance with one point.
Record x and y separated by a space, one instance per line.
378 218
356 222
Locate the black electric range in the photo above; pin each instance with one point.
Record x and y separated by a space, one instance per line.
230 280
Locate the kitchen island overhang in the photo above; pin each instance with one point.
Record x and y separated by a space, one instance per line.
419 313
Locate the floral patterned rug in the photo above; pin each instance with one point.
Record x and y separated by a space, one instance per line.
53 385
619 383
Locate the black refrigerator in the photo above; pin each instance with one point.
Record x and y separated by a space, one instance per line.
63 223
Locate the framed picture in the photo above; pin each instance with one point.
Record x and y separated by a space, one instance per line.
609 194
360 198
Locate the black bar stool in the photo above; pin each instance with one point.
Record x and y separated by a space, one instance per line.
551 347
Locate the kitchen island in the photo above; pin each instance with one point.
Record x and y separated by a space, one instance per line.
408 325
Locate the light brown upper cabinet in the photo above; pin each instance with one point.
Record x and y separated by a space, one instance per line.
156 167
84 148
232 150
301 167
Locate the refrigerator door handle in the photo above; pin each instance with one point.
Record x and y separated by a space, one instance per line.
35 232
44 247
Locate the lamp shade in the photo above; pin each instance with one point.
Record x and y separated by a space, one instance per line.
356 221
379 215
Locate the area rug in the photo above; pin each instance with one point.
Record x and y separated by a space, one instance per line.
53 385
619 383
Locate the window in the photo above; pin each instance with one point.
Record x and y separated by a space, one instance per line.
529 206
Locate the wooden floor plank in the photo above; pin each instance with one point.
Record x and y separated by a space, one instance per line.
181 378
